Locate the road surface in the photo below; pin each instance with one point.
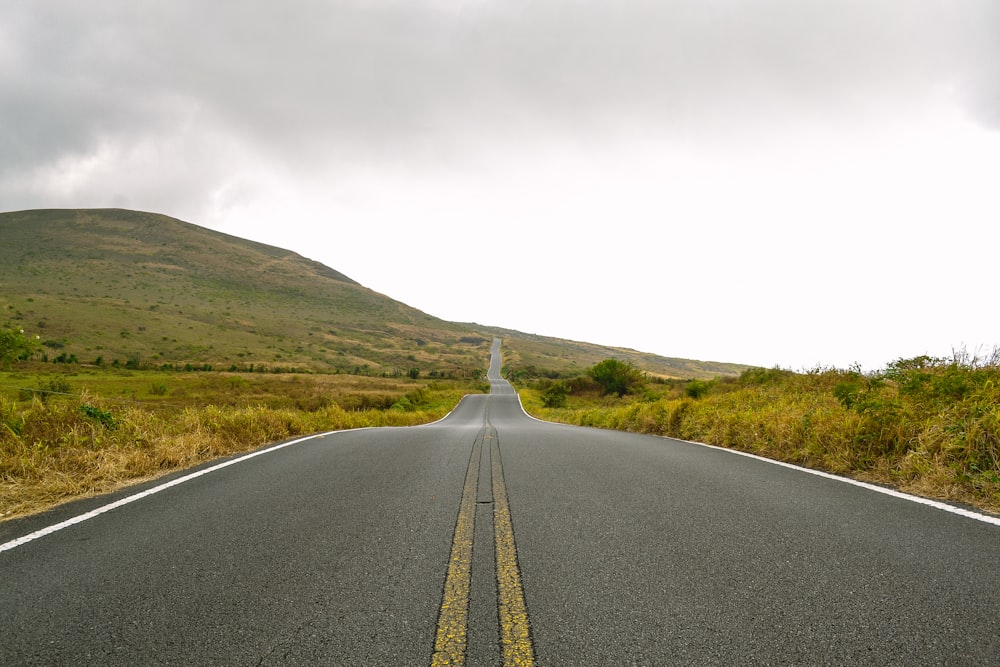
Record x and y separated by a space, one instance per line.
495 539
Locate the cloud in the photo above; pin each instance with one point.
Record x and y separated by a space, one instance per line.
742 155
310 82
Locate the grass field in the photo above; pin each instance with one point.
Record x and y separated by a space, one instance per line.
70 434
926 426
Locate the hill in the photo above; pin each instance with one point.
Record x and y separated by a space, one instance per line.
530 350
112 286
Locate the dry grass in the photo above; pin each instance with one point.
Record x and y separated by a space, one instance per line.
72 446
930 427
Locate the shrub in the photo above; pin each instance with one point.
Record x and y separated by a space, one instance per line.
764 376
618 377
15 346
583 384
554 396
99 415
697 388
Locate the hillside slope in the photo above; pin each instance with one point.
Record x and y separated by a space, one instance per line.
124 285
531 350
112 285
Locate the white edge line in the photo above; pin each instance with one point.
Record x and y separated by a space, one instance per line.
13 544
438 421
530 416
969 514
48 530
30 537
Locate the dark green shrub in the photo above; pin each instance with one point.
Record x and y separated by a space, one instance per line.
15 346
99 415
762 376
618 377
554 396
57 385
697 388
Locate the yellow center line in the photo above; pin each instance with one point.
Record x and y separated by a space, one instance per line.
515 635
450 641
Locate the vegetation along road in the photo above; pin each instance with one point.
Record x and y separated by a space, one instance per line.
490 538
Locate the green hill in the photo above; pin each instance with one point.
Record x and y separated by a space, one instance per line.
141 289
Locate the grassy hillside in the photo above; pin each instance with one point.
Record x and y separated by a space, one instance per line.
107 286
123 285
567 357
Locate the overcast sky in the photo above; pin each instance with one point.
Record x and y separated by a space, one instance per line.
797 183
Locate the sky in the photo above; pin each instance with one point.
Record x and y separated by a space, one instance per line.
792 183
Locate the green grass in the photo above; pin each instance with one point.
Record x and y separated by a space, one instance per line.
927 426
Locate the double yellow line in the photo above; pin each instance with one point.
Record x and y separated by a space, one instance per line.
515 638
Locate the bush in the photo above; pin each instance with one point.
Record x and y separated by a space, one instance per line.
697 388
583 384
618 377
15 346
97 414
764 376
554 396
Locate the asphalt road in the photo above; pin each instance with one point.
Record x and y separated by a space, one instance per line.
386 546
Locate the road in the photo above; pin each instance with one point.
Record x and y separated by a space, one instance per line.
386 546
